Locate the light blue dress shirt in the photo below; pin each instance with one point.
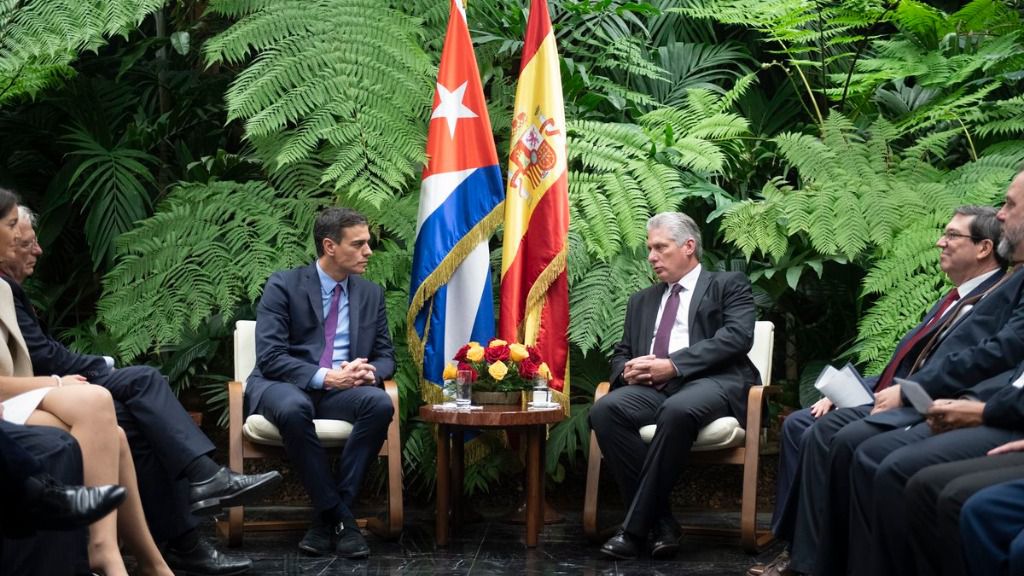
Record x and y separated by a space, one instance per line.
341 336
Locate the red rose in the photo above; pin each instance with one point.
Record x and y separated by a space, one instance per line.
461 354
534 355
472 371
528 368
494 353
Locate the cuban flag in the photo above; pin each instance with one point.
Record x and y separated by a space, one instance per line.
450 297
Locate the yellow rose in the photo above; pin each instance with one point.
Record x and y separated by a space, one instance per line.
498 370
449 372
544 371
497 342
518 352
475 353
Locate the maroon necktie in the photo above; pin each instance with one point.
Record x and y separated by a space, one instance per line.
668 318
886 380
330 330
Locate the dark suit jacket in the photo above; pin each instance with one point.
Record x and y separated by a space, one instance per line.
290 330
978 346
721 324
1004 404
48 355
960 313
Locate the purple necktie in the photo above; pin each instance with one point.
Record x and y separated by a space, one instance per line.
330 330
668 318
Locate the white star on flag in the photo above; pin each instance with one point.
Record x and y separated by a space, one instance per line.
451 107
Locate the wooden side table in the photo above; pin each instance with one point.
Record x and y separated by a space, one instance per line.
450 458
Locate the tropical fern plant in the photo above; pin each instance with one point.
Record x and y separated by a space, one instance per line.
858 199
208 249
813 39
960 69
40 38
621 174
345 83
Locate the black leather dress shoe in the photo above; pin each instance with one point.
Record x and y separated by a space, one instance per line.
319 539
665 539
205 560
350 542
623 546
226 489
55 506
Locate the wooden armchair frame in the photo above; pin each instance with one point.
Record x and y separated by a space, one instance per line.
746 455
241 448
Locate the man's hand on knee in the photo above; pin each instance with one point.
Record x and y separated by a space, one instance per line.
648 370
887 399
358 372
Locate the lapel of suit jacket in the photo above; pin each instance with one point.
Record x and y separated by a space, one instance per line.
648 316
703 281
959 313
314 291
355 295
20 359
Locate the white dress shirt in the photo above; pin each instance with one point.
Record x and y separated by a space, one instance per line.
680 337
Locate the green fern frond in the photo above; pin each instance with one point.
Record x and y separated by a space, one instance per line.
598 300
41 38
347 83
207 249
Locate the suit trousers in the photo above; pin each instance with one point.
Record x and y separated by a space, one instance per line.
888 515
992 527
934 498
163 439
293 409
53 553
795 429
815 508
646 474
866 462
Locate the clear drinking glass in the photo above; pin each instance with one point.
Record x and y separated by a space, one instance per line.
463 388
541 392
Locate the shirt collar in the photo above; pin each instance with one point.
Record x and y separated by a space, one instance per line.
969 286
327 283
689 282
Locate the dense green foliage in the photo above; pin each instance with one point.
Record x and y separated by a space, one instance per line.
178 150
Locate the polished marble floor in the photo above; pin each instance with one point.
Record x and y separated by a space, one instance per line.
492 545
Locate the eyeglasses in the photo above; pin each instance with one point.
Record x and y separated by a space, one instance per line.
950 235
28 244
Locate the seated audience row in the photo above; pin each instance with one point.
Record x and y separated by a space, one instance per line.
861 490
128 425
871 489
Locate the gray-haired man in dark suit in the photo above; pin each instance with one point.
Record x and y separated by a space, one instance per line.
681 364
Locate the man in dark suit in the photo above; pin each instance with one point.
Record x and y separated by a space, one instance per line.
936 494
985 344
177 478
993 528
969 258
681 364
44 510
957 432
323 351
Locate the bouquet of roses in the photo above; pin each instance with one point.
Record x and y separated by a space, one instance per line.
500 366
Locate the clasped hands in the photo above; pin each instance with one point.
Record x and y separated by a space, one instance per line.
358 372
70 380
943 416
648 370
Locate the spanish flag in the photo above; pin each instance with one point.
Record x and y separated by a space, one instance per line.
534 288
